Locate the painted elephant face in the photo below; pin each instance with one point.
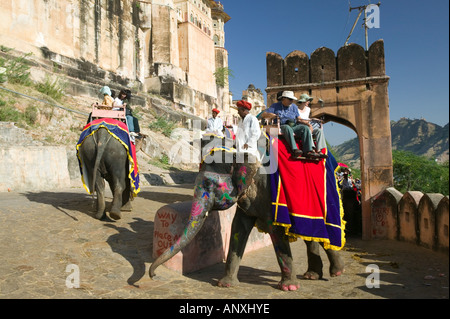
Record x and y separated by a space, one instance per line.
224 175
217 187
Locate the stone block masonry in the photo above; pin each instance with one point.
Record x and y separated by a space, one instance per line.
352 86
33 168
28 165
211 244
414 217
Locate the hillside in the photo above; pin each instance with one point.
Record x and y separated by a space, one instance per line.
26 121
417 136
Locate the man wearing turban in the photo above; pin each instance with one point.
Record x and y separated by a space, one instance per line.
215 124
248 130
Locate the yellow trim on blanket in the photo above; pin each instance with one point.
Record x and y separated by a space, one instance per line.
325 241
130 157
230 150
341 208
278 198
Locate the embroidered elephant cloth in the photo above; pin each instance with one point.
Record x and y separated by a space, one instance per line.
305 198
119 131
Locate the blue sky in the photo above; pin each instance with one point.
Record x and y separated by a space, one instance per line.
416 42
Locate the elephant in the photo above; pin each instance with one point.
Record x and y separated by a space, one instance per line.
103 157
221 184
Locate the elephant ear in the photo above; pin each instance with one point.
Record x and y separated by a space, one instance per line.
244 171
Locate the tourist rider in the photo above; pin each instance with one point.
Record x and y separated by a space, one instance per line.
107 99
119 103
315 125
287 113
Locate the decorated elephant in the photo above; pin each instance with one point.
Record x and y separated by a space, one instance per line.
224 181
105 153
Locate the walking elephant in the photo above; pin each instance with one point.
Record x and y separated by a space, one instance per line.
103 157
222 183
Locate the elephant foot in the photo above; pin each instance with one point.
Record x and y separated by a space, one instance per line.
227 282
334 272
312 275
336 266
115 215
100 215
127 207
288 286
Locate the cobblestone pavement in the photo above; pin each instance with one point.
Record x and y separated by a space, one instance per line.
47 237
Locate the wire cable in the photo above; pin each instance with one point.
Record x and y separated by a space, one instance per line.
30 97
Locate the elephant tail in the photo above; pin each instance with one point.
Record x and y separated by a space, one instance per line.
191 230
101 140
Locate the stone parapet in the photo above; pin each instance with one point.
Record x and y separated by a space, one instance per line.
413 217
33 168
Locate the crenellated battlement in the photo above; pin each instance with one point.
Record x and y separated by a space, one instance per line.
349 87
351 62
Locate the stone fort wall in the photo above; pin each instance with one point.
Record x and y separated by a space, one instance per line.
141 45
414 217
297 70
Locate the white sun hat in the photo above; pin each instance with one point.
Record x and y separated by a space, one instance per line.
289 95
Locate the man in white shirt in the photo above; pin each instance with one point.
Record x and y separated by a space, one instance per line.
215 124
248 130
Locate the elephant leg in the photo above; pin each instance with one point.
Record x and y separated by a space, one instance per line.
336 262
285 261
100 189
116 203
240 230
127 198
315 264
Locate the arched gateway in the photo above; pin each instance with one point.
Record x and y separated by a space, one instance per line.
354 88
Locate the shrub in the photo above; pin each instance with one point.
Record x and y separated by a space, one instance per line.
31 114
53 88
15 70
9 113
163 125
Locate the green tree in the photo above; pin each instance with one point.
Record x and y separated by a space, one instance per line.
222 75
418 173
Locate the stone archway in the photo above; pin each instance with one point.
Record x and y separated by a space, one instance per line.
354 88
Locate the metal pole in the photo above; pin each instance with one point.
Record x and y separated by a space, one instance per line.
365 28
354 24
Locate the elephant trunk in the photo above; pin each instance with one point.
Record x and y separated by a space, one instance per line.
199 212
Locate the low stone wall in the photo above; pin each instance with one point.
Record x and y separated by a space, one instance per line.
33 168
211 244
27 165
413 217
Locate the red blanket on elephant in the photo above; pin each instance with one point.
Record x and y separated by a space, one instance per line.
305 198
118 130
